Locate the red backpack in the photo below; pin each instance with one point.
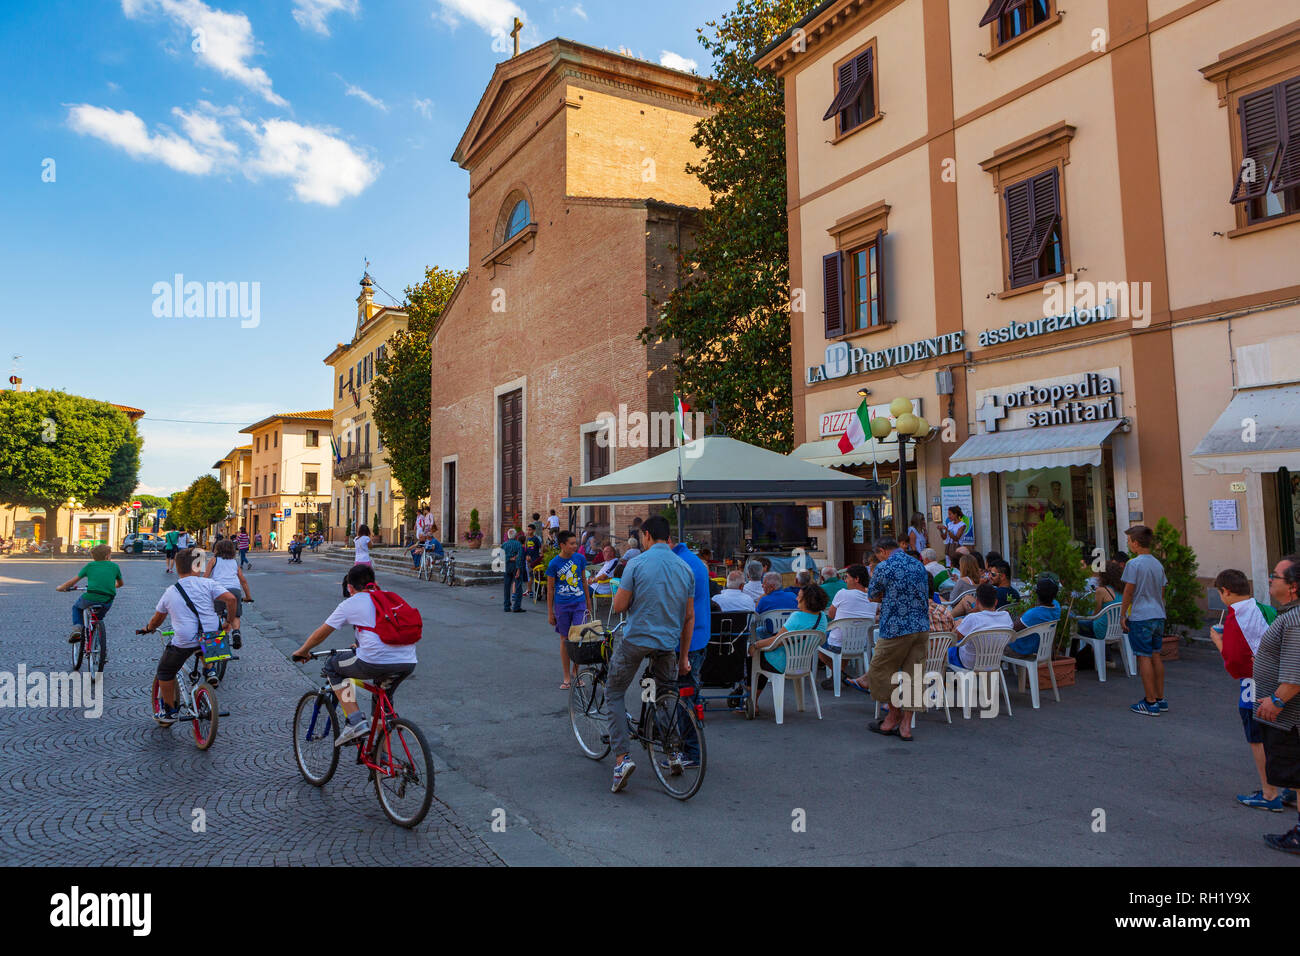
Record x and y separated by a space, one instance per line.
396 622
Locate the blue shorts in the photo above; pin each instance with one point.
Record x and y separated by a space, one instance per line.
1250 726
567 615
1145 637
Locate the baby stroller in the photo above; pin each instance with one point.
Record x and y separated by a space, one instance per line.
726 660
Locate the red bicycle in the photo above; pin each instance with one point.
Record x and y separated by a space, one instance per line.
395 750
94 637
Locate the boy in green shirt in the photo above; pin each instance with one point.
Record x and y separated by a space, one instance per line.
103 578
170 546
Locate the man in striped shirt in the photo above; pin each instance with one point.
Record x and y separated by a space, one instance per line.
241 542
1277 684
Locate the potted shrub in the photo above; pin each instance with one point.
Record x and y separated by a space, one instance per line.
1050 550
474 536
1182 589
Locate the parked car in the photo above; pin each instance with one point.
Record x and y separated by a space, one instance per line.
152 542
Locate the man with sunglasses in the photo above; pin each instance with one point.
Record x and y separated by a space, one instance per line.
1277 686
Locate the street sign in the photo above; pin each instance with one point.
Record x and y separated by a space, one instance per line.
135 506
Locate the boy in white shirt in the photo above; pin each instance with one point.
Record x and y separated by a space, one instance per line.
849 602
369 658
190 620
985 617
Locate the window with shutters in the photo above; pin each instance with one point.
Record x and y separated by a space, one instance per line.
1010 20
854 278
867 285
1035 250
1267 182
313 438
857 91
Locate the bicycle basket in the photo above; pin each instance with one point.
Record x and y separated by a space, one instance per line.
215 646
589 644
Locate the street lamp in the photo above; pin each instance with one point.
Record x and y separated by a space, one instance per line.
906 425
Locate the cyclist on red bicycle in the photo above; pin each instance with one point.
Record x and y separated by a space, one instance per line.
190 603
369 658
103 578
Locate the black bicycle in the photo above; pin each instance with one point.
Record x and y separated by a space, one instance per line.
665 725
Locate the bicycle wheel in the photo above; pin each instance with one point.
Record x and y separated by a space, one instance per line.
674 725
220 668
315 728
78 653
100 641
588 713
205 715
404 780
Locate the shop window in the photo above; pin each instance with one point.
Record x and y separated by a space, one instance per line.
1035 250
855 92
1268 179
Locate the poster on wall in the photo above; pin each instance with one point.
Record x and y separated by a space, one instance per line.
1223 515
959 492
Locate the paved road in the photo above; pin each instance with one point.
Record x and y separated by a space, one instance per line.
1018 790
118 789
1004 791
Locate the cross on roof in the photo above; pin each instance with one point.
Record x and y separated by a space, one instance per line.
519 25
990 413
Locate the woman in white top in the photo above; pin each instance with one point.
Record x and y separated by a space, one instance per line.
916 538
849 602
225 571
362 544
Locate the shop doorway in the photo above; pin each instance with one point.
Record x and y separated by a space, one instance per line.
1082 497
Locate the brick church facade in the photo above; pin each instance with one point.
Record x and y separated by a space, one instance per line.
579 199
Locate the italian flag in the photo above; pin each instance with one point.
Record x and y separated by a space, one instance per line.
858 432
680 408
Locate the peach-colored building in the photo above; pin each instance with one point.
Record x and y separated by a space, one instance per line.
290 473
235 474
1039 228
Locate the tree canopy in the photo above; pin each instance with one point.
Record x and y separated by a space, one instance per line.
731 315
400 390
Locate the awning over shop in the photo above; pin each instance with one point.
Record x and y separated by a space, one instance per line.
827 453
720 470
1025 448
1259 430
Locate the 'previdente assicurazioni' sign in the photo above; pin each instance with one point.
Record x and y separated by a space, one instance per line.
1074 319
843 359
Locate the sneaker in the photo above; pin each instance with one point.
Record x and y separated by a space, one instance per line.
1256 801
621 773
1146 709
168 716
673 765
520 610
76 636
210 675
236 639
1288 842
1162 704
353 731
1288 798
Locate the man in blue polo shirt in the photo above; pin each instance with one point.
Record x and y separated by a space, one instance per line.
657 593
699 638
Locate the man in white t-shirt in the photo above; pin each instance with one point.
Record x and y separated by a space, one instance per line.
851 601
985 617
733 596
190 619
368 659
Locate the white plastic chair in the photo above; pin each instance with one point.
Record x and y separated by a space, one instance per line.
1028 667
936 662
776 618
1114 635
988 645
800 665
855 639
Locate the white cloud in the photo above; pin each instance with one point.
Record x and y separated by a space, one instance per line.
323 168
362 95
227 40
312 14
675 61
577 11
493 16
423 107
127 132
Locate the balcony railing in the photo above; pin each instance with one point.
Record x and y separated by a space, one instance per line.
351 464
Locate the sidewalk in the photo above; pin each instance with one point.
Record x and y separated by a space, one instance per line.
120 790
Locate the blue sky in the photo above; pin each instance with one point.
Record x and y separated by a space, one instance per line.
282 144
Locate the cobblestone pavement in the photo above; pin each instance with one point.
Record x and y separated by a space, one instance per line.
118 789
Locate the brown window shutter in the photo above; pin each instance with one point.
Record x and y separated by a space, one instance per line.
833 283
1045 194
994 11
849 88
1260 143
881 284
1286 169
1020 223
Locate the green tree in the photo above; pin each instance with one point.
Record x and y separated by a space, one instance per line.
730 317
400 393
55 447
178 516
1182 589
205 503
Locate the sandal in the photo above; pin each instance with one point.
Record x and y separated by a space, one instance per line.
853 682
875 728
